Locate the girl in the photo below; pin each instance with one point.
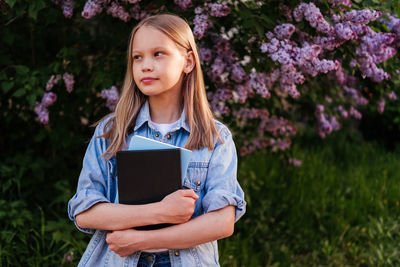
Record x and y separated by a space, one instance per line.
163 98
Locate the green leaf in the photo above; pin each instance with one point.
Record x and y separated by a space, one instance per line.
35 7
11 3
22 70
6 86
31 100
3 76
19 92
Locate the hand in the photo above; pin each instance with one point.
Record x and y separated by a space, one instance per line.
125 242
179 206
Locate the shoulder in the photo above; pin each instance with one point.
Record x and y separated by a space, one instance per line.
104 124
223 130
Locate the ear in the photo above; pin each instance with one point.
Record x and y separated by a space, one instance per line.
190 62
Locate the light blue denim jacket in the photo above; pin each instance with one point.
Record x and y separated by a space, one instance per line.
211 174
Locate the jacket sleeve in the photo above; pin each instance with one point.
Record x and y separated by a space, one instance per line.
222 188
92 183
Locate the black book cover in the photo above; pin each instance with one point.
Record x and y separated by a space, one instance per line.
147 176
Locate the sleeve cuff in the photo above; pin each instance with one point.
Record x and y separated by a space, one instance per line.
82 201
218 199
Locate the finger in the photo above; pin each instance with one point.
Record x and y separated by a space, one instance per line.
189 193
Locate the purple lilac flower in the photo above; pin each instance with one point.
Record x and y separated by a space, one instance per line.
295 162
137 13
68 7
343 112
237 73
217 68
242 92
335 3
358 98
284 31
69 81
52 81
118 11
258 82
42 113
319 108
313 15
184 4
281 144
329 42
112 97
381 105
92 8
355 113
394 26
200 25
48 99
222 94
392 96
344 31
205 54
247 113
362 16
198 10
218 9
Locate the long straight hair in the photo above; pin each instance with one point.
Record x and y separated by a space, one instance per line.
203 131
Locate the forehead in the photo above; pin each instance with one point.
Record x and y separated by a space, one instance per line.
147 37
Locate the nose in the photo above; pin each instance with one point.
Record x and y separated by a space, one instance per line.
147 65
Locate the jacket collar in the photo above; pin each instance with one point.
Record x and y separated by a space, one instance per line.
144 116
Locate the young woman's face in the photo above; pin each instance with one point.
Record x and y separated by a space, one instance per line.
158 64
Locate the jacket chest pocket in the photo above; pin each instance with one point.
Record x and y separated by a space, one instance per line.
196 176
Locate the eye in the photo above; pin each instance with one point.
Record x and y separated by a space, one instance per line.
158 53
136 57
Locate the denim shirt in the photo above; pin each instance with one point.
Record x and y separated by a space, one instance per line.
211 174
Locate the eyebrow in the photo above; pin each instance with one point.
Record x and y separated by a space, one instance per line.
154 48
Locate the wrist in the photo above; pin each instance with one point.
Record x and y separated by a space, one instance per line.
158 216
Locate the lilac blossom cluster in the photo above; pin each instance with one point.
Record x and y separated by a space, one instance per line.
393 24
295 61
184 4
48 99
67 7
279 128
325 123
200 21
297 58
118 11
130 9
69 81
52 81
41 108
112 97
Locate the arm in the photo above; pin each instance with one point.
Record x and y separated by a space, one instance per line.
205 228
177 207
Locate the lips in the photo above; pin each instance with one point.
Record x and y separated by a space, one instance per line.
148 80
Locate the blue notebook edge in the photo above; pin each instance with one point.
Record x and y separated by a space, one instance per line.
138 142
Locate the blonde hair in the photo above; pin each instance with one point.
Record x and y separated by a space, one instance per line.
203 131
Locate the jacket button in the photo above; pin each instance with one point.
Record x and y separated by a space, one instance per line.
157 134
176 253
168 136
198 182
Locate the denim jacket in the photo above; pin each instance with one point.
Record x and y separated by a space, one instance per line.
211 174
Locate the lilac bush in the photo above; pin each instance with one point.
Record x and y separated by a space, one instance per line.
266 66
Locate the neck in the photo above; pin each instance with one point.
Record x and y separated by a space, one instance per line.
165 110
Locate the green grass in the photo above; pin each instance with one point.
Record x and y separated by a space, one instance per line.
340 208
